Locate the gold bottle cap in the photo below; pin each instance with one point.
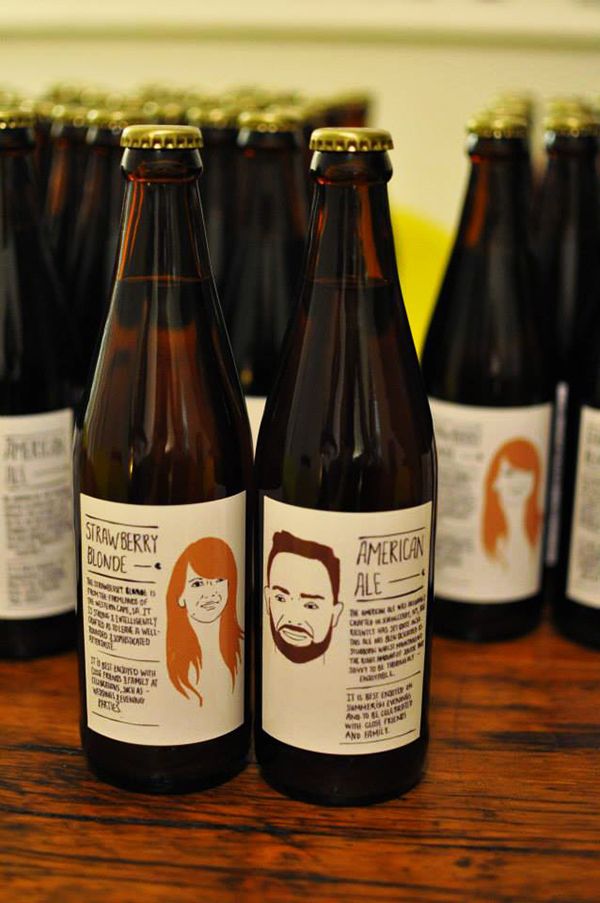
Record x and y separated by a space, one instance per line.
350 140
559 103
352 97
70 114
498 124
574 122
110 118
161 137
16 118
277 119
212 117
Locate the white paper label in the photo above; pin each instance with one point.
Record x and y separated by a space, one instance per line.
163 613
556 474
583 577
492 475
344 614
255 405
37 544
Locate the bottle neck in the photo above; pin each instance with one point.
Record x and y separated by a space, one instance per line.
497 202
274 201
19 201
570 182
351 238
162 226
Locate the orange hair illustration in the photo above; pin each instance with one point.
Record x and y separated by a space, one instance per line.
522 454
213 559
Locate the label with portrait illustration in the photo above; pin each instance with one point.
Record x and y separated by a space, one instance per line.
344 621
492 473
37 543
255 405
583 576
163 595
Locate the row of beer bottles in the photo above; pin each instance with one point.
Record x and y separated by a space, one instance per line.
345 472
255 203
511 368
163 462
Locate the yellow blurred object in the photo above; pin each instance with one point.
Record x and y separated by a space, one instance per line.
422 248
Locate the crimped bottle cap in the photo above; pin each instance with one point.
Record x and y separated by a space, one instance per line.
16 118
212 116
498 124
350 140
161 137
277 119
575 122
69 114
109 118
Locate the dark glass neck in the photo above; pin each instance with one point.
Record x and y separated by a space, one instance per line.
570 187
19 201
496 207
272 188
351 230
162 227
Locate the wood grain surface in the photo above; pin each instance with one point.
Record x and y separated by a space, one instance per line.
509 808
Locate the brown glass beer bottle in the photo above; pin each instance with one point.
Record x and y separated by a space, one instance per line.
37 551
163 463
577 597
345 471
91 255
269 244
567 249
219 188
65 179
485 371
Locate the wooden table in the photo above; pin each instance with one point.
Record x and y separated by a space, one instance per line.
509 808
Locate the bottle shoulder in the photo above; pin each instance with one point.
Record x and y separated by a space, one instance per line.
485 343
348 422
165 419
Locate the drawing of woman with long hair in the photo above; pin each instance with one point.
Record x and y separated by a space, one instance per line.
201 600
512 513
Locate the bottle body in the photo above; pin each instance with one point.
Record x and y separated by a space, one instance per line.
568 270
577 600
37 578
163 469
346 489
485 371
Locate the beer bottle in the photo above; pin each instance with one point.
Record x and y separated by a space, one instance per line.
37 553
350 108
345 470
219 187
91 257
577 596
65 180
266 262
163 462
567 250
485 372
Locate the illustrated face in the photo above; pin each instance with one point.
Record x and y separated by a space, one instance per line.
514 485
301 606
205 599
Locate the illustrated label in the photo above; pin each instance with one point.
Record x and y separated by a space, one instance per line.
343 637
492 472
37 544
163 613
255 405
556 473
583 576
